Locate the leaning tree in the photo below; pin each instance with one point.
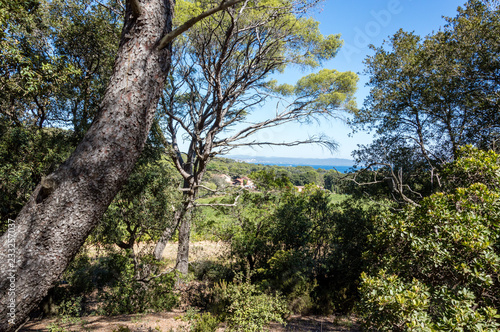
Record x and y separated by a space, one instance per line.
69 202
221 77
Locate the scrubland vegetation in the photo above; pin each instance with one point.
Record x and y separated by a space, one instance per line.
407 241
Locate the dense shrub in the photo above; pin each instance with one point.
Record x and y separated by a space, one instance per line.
305 246
439 262
205 323
132 293
119 284
245 307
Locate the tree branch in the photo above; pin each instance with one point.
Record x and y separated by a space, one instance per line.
165 40
114 10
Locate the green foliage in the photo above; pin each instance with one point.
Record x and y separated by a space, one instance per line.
269 180
473 166
394 305
303 245
26 155
330 89
246 308
56 59
298 175
86 37
447 247
332 178
121 284
391 304
142 208
301 41
205 323
129 295
430 95
247 233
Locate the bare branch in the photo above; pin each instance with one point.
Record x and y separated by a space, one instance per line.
323 141
206 188
395 182
114 10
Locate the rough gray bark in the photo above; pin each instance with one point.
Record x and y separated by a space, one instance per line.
66 206
165 237
182 220
182 263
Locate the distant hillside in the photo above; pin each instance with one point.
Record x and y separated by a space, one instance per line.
293 161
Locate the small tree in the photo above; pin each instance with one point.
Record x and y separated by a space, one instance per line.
221 75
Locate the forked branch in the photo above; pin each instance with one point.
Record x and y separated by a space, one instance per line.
165 40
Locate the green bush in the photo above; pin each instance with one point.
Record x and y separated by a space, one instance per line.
448 247
246 308
123 286
130 295
205 323
391 304
305 246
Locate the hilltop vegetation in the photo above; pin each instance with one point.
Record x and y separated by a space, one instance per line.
298 175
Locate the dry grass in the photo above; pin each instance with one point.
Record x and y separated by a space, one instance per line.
172 321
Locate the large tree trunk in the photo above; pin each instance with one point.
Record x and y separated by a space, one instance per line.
69 203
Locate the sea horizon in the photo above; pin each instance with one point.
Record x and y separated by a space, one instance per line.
341 169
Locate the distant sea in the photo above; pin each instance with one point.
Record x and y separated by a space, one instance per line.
341 169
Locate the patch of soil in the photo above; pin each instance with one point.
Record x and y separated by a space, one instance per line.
164 321
192 295
318 324
172 321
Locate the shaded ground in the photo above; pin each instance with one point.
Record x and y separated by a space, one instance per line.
172 321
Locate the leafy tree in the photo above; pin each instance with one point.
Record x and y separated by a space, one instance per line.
331 179
269 180
26 156
222 75
306 175
56 62
431 95
85 36
137 215
142 208
436 265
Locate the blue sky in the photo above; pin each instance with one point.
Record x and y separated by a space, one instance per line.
360 22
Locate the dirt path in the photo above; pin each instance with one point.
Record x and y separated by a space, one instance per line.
172 321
